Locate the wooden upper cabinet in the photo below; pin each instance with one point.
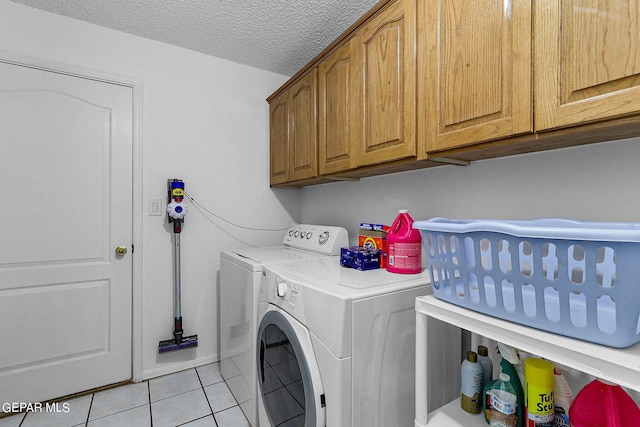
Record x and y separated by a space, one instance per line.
279 139
474 79
457 81
294 132
386 101
303 128
587 61
336 112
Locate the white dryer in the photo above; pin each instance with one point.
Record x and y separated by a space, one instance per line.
240 272
336 346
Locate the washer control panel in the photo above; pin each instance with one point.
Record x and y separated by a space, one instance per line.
282 293
326 240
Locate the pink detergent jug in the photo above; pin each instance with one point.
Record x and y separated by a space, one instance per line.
603 404
404 246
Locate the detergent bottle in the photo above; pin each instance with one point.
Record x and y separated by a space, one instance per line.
602 403
404 246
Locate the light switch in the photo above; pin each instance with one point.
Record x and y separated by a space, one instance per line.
155 207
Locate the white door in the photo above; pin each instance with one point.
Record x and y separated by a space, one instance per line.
66 191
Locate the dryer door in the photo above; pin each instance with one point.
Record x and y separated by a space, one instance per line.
290 388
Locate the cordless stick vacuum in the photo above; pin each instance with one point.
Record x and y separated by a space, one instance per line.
176 211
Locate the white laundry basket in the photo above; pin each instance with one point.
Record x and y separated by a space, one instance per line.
579 279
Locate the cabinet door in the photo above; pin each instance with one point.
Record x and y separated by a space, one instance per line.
279 139
475 71
387 101
303 129
587 61
336 116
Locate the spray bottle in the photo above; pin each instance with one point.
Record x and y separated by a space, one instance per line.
509 359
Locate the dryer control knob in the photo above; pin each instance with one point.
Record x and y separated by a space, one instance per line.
282 289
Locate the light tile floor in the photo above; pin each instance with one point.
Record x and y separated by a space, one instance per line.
193 398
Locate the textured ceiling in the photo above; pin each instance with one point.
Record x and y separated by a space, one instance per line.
274 35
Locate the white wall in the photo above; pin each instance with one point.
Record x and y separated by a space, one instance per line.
204 120
598 182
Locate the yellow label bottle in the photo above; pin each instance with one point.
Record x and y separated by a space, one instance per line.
538 390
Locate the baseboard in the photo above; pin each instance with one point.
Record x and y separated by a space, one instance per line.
179 366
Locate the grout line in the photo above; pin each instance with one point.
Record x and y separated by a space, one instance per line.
149 396
201 418
90 406
205 393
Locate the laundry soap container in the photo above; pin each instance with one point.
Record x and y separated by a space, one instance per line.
603 404
404 246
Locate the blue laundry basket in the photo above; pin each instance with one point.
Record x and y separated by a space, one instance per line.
578 279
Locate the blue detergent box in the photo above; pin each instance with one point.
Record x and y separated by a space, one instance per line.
360 258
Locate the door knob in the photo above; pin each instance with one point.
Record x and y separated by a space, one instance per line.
121 250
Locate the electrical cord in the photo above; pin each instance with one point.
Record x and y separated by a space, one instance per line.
203 210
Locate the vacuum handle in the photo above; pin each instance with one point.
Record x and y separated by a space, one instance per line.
177 277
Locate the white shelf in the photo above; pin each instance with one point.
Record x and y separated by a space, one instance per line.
621 366
452 415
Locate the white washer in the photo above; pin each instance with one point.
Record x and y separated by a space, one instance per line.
240 272
357 331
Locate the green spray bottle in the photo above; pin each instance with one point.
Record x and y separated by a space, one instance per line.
509 359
